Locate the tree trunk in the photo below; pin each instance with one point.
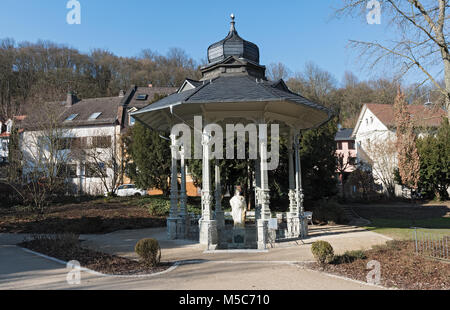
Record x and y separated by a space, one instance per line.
447 85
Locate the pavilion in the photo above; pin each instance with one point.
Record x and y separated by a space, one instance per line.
234 89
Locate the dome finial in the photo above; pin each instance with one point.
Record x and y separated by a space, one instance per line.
232 29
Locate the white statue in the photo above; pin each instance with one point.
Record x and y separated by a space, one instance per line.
238 206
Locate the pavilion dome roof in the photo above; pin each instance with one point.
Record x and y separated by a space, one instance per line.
233 45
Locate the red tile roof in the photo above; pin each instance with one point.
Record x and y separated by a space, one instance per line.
422 115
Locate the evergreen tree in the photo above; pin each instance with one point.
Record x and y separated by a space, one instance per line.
319 162
149 162
434 151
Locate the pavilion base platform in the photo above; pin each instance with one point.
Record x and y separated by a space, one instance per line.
228 237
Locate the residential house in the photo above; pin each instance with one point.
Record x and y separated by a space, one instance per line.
346 156
90 132
375 138
6 127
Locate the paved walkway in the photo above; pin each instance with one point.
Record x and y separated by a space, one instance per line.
342 238
275 269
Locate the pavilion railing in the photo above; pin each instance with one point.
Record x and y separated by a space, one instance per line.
431 244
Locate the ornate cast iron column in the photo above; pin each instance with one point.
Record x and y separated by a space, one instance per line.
303 223
218 197
257 189
184 223
292 228
208 226
173 213
264 193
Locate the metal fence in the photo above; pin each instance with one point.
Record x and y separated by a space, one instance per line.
431 244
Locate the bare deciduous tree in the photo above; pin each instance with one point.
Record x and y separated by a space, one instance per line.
420 42
44 155
277 71
408 156
101 161
383 161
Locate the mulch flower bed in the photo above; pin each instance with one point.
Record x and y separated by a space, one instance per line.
400 268
68 248
83 218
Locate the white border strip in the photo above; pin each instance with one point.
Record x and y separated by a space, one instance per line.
93 272
348 279
235 251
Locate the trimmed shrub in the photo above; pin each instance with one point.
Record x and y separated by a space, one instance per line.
322 251
149 251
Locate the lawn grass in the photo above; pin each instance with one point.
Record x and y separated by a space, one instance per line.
396 221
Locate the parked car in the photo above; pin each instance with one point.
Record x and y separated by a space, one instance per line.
129 190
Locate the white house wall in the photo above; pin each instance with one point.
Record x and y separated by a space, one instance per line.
371 131
81 184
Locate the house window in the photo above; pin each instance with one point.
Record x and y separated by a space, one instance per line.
101 142
339 145
79 143
92 170
141 97
9 127
68 171
352 161
64 144
371 120
94 116
71 117
351 145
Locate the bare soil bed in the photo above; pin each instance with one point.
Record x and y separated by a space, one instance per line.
91 217
400 268
97 261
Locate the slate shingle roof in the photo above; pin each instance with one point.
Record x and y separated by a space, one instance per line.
233 45
107 106
344 134
240 88
150 92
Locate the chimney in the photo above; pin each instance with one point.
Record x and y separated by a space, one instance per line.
71 99
121 93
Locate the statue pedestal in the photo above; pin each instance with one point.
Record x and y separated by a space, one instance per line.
239 239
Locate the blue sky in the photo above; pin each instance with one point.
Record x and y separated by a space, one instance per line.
290 31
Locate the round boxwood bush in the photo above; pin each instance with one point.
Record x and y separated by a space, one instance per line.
322 251
149 251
